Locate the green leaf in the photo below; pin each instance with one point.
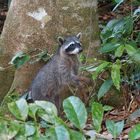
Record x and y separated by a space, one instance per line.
90 68
19 59
29 129
75 111
130 50
104 88
133 53
97 115
100 68
47 111
33 108
119 126
108 47
49 107
107 108
8 130
13 129
19 109
118 3
50 134
21 133
114 128
119 51
128 27
136 57
74 135
62 133
134 133
59 121
58 133
82 58
115 74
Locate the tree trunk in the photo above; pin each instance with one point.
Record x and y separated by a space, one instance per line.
25 30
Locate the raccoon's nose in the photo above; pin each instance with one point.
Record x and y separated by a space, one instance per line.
80 50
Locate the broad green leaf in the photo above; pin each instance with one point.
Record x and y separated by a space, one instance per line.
49 118
19 109
75 111
19 59
75 135
49 107
134 133
33 108
133 52
3 130
107 108
100 68
97 115
128 27
108 47
50 134
29 129
130 50
58 133
59 121
114 128
47 111
119 51
104 88
111 128
107 31
8 130
37 135
119 126
21 133
115 74
136 57
62 133
13 129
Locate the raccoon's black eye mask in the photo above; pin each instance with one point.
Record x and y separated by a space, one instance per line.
72 47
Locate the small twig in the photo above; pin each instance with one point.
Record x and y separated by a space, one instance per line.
130 103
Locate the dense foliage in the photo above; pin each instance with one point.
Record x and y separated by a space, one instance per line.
121 66
39 120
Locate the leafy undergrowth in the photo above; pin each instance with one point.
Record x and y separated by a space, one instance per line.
40 121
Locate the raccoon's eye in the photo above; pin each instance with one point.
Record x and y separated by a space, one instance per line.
70 48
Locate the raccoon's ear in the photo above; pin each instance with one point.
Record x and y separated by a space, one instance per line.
60 40
79 35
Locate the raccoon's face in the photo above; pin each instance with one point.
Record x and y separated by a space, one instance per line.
71 45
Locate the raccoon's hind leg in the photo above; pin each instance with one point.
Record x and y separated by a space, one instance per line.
57 101
53 97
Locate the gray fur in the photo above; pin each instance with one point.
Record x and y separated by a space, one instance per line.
58 73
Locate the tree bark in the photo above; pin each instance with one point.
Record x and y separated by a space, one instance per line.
24 30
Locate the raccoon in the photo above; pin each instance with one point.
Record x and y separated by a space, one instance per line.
59 73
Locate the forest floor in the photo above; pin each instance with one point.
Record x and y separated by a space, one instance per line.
115 114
